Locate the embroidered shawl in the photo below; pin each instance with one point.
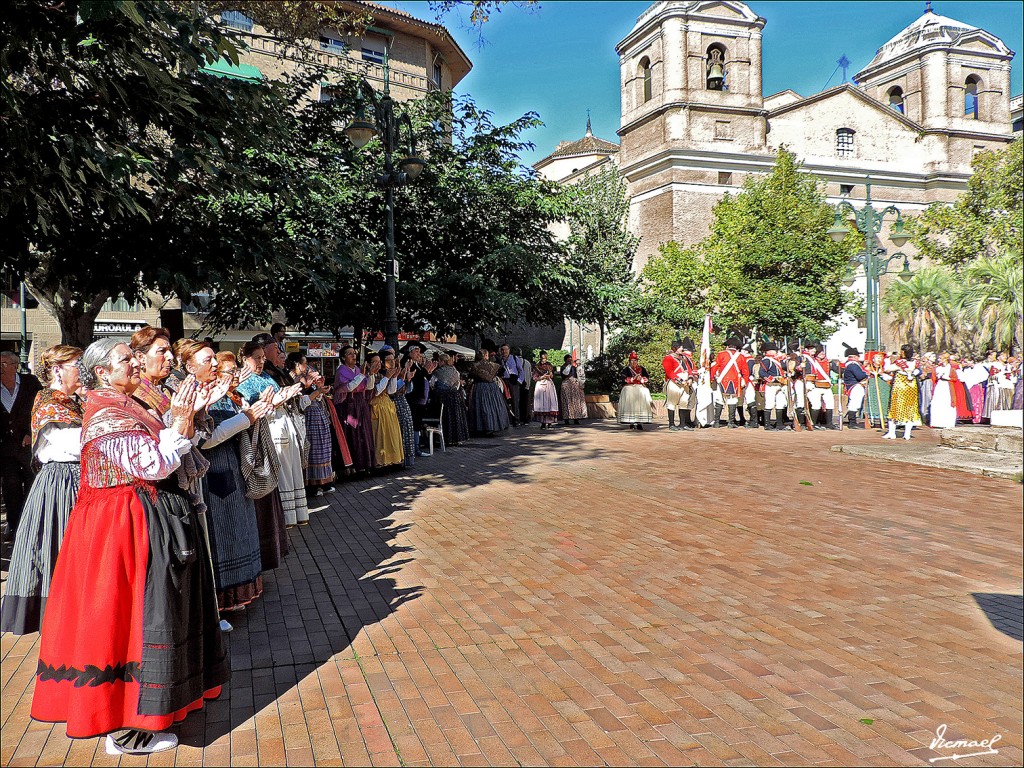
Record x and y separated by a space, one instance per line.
54 407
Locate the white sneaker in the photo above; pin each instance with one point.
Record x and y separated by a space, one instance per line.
133 742
225 626
888 436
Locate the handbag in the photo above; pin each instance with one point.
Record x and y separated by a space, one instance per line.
258 460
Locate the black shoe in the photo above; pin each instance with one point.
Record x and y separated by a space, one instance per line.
673 428
640 427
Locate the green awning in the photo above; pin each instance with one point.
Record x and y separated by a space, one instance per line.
224 68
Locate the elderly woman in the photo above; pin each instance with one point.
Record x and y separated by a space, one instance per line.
260 466
57 446
545 396
319 470
488 408
288 441
152 348
130 642
353 405
446 386
234 535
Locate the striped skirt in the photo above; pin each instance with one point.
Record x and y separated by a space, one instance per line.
408 431
318 430
44 519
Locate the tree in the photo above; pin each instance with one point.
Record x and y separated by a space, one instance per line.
924 309
994 300
770 261
601 247
674 289
986 220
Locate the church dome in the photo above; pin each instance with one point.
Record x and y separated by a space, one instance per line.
927 30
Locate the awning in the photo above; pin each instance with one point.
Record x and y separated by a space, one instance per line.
224 68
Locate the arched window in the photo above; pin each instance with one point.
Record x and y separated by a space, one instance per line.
715 68
644 72
896 99
971 97
844 142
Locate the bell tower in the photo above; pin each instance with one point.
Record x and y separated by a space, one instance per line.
691 76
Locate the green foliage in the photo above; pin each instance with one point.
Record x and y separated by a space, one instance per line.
650 342
771 262
994 300
675 284
984 221
924 310
600 248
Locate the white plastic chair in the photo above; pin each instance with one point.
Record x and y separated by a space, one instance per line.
433 427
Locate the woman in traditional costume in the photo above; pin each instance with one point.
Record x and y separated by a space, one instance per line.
879 389
545 395
574 399
319 470
234 534
635 406
488 408
130 642
288 441
926 384
353 406
402 408
944 394
961 395
387 432
259 463
57 446
903 403
446 388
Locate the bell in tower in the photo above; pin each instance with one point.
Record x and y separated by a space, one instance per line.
716 70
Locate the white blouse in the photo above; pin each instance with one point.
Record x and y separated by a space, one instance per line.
58 442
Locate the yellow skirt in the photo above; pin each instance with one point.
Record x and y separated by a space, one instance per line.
903 408
387 432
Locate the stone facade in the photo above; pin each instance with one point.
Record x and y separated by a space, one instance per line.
695 124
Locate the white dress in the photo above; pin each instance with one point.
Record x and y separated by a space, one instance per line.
943 409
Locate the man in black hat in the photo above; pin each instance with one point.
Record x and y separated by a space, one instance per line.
772 374
855 383
818 372
729 371
680 384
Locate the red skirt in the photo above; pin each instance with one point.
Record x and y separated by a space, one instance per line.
130 638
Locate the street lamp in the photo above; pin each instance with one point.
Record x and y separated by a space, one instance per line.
360 131
868 222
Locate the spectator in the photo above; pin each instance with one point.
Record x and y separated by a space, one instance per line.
319 470
514 375
353 407
574 401
17 394
488 408
545 396
446 384
381 384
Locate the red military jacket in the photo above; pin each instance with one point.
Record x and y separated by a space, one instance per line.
674 370
730 369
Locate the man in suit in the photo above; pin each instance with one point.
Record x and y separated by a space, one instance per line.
514 374
17 395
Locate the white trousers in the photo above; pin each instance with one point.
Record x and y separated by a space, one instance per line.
856 398
775 397
819 397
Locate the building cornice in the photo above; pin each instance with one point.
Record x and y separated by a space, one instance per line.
695 106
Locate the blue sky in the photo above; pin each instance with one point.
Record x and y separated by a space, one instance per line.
559 58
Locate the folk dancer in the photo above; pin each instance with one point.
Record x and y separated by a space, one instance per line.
818 384
729 371
855 384
771 373
636 407
680 382
942 414
903 404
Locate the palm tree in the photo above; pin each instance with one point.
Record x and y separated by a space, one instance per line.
923 310
993 300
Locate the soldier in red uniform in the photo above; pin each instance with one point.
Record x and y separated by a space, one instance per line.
729 370
680 384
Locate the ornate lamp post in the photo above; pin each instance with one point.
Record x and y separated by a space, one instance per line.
360 131
869 223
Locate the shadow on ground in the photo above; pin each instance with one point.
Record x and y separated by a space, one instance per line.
1004 612
336 578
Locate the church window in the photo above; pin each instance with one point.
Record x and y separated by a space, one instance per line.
716 68
844 142
846 189
645 77
971 97
896 99
236 20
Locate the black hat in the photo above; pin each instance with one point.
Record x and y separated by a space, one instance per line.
687 344
769 346
733 342
850 351
677 344
414 345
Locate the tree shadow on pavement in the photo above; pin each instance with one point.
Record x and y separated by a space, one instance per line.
337 577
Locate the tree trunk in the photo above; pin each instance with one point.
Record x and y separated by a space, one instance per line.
75 316
600 325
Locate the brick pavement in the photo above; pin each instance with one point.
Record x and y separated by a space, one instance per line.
598 596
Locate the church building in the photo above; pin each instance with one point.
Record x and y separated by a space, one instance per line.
695 122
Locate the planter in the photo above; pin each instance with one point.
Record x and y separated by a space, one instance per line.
599 407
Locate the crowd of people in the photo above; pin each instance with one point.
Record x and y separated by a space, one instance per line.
149 484
802 388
